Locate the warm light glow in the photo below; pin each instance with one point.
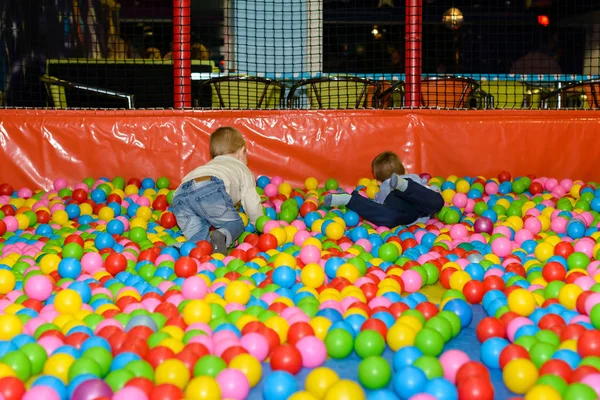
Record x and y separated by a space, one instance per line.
543 20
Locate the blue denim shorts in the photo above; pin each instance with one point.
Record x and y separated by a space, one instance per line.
199 205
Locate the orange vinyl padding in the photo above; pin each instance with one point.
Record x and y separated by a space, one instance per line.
39 146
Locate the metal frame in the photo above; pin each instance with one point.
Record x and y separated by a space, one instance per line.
214 83
50 80
471 85
564 91
398 87
362 99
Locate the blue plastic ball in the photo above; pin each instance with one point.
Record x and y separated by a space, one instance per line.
279 385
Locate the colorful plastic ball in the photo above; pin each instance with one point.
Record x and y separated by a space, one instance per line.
520 375
339 343
286 358
369 343
67 301
461 309
312 350
209 365
476 388
203 388
233 384
174 372
430 342
7 281
279 385
319 380
545 392
374 372
522 302
491 350
409 381
92 389
345 390
400 335
237 292
451 362
441 389
249 366
580 391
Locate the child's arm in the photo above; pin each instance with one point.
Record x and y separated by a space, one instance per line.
250 199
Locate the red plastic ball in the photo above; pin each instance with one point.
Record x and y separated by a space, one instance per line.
493 282
185 267
581 372
11 388
144 384
43 216
504 176
554 271
6 189
536 188
115 263
75 239
476 388
572 331
158 355
563 249
168 220
558 368
76 339
375 324
286 358
550 320
472 369
428 309
232 353
267 242
299 330
473 291
512 352
166 392
490 327
589 343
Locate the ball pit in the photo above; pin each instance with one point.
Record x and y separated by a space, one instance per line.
497 296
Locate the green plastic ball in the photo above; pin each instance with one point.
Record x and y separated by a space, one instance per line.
37 357
430 342
374 372
83 366
431 366
339 343
369 343
209 366
388 252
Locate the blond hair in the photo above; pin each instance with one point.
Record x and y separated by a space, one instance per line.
225 140
386 164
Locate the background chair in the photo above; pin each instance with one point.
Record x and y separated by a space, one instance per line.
336 92
447 92
57 89
579 95
249 92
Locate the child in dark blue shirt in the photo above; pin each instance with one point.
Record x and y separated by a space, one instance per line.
402 199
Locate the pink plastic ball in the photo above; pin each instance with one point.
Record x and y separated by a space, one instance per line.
277 180
550 184
451 361
523 235
313 351
194 287
270 225
491 188
412 281
458 232
91 262
60 184
25 193
11 223
559 225
501 247
422 396
233 384
38 287
459 200
130 393
256 344
271 190
300 237
593 381
514 325
310 254
533 225
483 225
590 302
42 392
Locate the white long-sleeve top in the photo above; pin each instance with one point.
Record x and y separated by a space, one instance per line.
238 179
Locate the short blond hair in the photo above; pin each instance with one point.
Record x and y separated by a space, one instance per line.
225 140
386 164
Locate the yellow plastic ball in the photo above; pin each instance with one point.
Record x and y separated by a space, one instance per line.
58 365
320 325
171 343
237 292
400 335
285 189
568 294
49 263
280 235
312 276
320 380
345 390
372 191
7 281
6 371
197 311
85 209
312 241
459 279
520 375
203 388
22 220
249 366
544 251
543 392
302 396
10 326
172 371
348 271
144 212
311 183
334 231
67 301
60 217
106 213
522 302
279 325
462 186
411 321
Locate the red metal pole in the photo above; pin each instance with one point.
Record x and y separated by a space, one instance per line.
413 53
182 65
